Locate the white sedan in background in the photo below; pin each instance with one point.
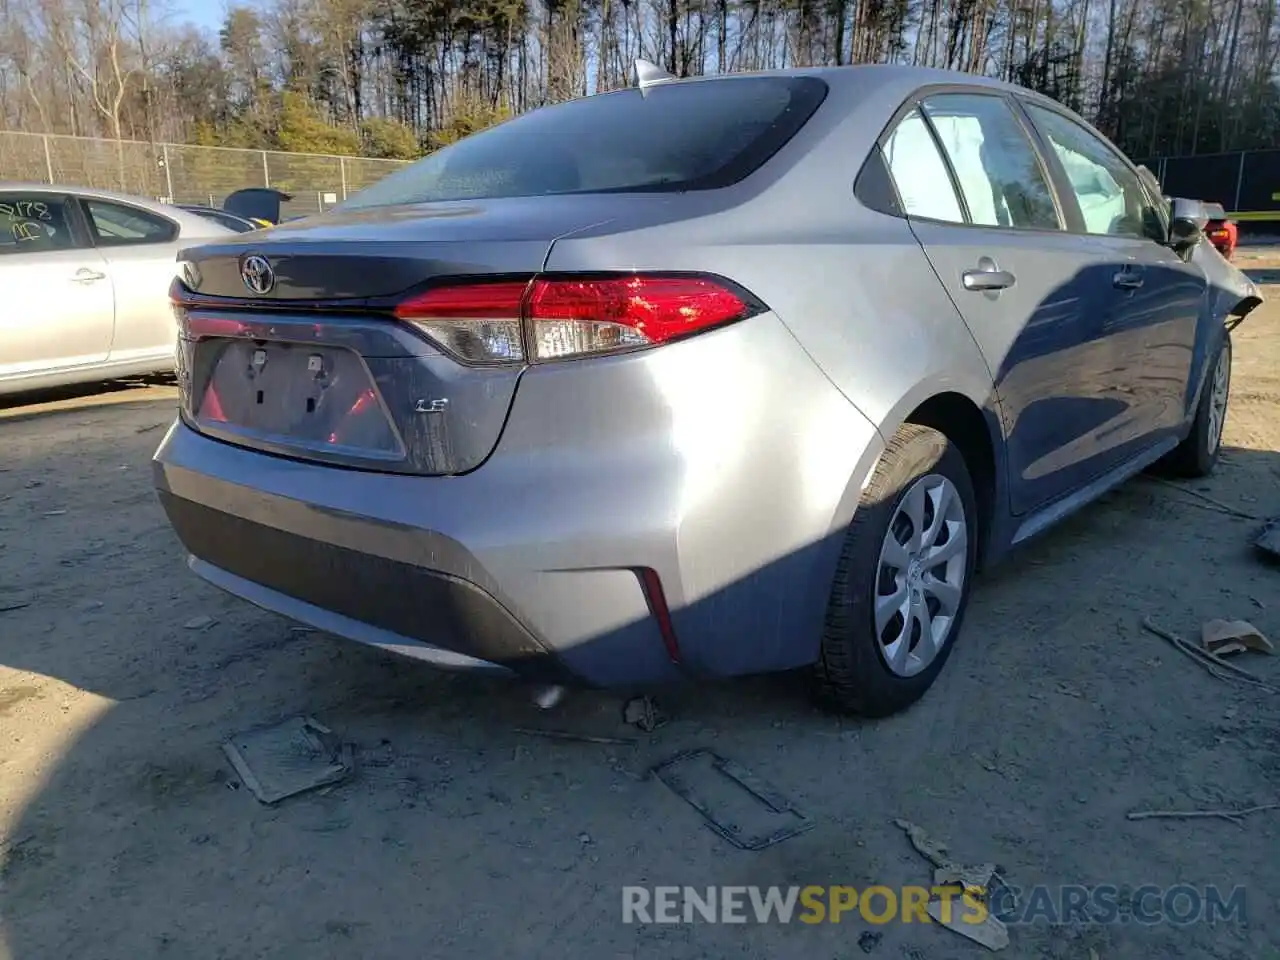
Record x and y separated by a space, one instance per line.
84 284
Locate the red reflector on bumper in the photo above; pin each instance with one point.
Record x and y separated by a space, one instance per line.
652 584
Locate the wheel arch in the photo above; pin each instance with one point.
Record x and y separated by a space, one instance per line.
969 415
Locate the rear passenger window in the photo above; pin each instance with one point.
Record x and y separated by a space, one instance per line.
32 223
116 224
999 172
920 173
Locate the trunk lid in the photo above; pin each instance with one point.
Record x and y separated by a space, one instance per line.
383 251
288 345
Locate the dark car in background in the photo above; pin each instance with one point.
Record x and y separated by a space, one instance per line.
228 220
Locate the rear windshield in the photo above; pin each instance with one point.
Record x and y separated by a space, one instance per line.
672 137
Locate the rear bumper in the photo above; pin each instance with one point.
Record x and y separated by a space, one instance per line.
423 613
726 464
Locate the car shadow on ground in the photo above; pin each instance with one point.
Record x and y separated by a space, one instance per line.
460 836
38 403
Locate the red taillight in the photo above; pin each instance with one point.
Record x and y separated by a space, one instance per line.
569 316
572 317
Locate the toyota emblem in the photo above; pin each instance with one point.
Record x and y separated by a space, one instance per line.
257 274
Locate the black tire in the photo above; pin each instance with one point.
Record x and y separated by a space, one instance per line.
852 673
1197 455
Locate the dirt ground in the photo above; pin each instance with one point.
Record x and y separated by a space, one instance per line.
123 833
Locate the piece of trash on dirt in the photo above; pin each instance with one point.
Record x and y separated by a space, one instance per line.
584 838
32 484
974 879
55 513
149 427
581 737
298 755
1224 637
932 850
7 605
991 933
868 940
1218 667
1235 816
200 623
643 712
734 802
1268 539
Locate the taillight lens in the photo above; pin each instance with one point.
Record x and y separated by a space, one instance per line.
564 317
570 317
479 322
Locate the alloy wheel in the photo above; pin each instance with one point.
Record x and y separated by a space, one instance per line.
921 577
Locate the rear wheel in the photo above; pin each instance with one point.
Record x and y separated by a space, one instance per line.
1197 455
902 584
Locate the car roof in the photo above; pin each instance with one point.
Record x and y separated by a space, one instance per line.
90 192
887 81
189 221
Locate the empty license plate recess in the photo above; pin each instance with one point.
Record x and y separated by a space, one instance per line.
297 396
738 805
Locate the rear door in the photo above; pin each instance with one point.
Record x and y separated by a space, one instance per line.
980 201
140 251
58 310
1159 297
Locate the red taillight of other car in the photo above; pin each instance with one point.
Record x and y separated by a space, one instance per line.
556 318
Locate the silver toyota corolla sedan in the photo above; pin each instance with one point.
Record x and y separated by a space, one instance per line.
699 379
84 276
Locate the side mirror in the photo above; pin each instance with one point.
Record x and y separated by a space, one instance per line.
1187 220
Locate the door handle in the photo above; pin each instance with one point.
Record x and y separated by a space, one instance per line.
987 279
85 275
1127 280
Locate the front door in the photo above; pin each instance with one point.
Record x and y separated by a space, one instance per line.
59 310
1158 298
1034 296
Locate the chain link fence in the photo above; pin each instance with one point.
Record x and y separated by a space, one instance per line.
179 173
1246 183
